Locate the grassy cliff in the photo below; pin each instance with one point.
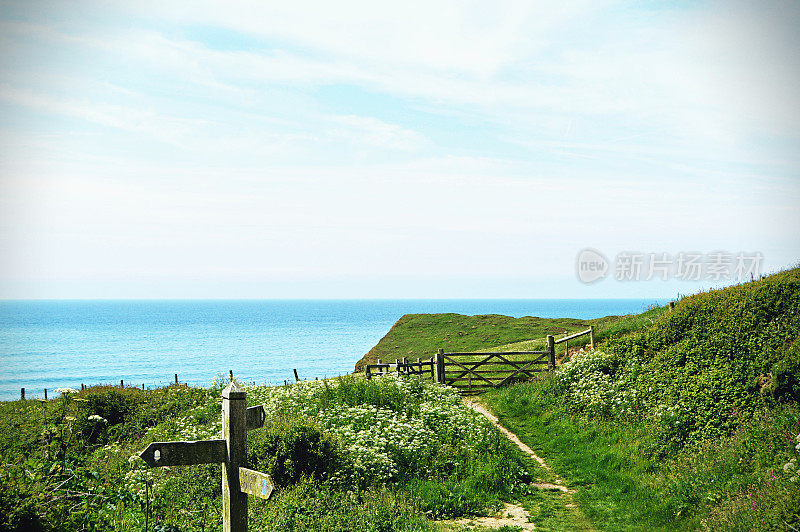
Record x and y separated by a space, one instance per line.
420 335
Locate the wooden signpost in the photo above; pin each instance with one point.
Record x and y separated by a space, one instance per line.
230 451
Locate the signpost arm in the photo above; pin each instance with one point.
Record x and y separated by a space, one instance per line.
234 432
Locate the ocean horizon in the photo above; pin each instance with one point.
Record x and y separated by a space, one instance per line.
65 343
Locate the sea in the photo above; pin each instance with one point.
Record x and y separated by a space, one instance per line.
65 343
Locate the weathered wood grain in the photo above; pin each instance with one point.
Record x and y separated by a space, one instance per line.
175 453
234 432
576 335
254 417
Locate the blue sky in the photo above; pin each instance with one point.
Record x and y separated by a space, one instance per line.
363 149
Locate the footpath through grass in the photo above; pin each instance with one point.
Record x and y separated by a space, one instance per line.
690 422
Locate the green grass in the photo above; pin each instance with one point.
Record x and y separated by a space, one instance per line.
680 421
345 454
607 463
623 483
420 335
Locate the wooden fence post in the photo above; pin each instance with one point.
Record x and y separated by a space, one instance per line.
551 352
45 394
22 394
566 346
296 377
440 366
176 378
671 306
121 383
234 501
591 336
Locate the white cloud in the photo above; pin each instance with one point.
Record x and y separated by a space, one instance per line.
164 128
371 131
477 38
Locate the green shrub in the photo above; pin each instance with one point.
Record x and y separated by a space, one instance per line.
786 374
310 506
718 355
289 452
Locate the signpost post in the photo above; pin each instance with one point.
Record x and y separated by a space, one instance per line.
230 451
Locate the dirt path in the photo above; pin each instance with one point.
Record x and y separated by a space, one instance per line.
513 514
524 448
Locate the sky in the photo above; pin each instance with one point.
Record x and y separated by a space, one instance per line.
438 149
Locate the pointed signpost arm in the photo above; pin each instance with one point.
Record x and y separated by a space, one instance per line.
174 453
255 483
255 416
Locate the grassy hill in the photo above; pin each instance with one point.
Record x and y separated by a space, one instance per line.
689 421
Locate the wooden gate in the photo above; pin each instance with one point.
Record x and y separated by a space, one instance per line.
476 372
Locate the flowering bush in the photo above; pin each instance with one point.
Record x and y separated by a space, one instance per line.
598 383
354 435
396 433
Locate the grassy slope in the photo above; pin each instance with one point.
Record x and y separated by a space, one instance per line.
420 335
707 443
63 469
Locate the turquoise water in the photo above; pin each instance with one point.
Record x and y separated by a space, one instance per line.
52 344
